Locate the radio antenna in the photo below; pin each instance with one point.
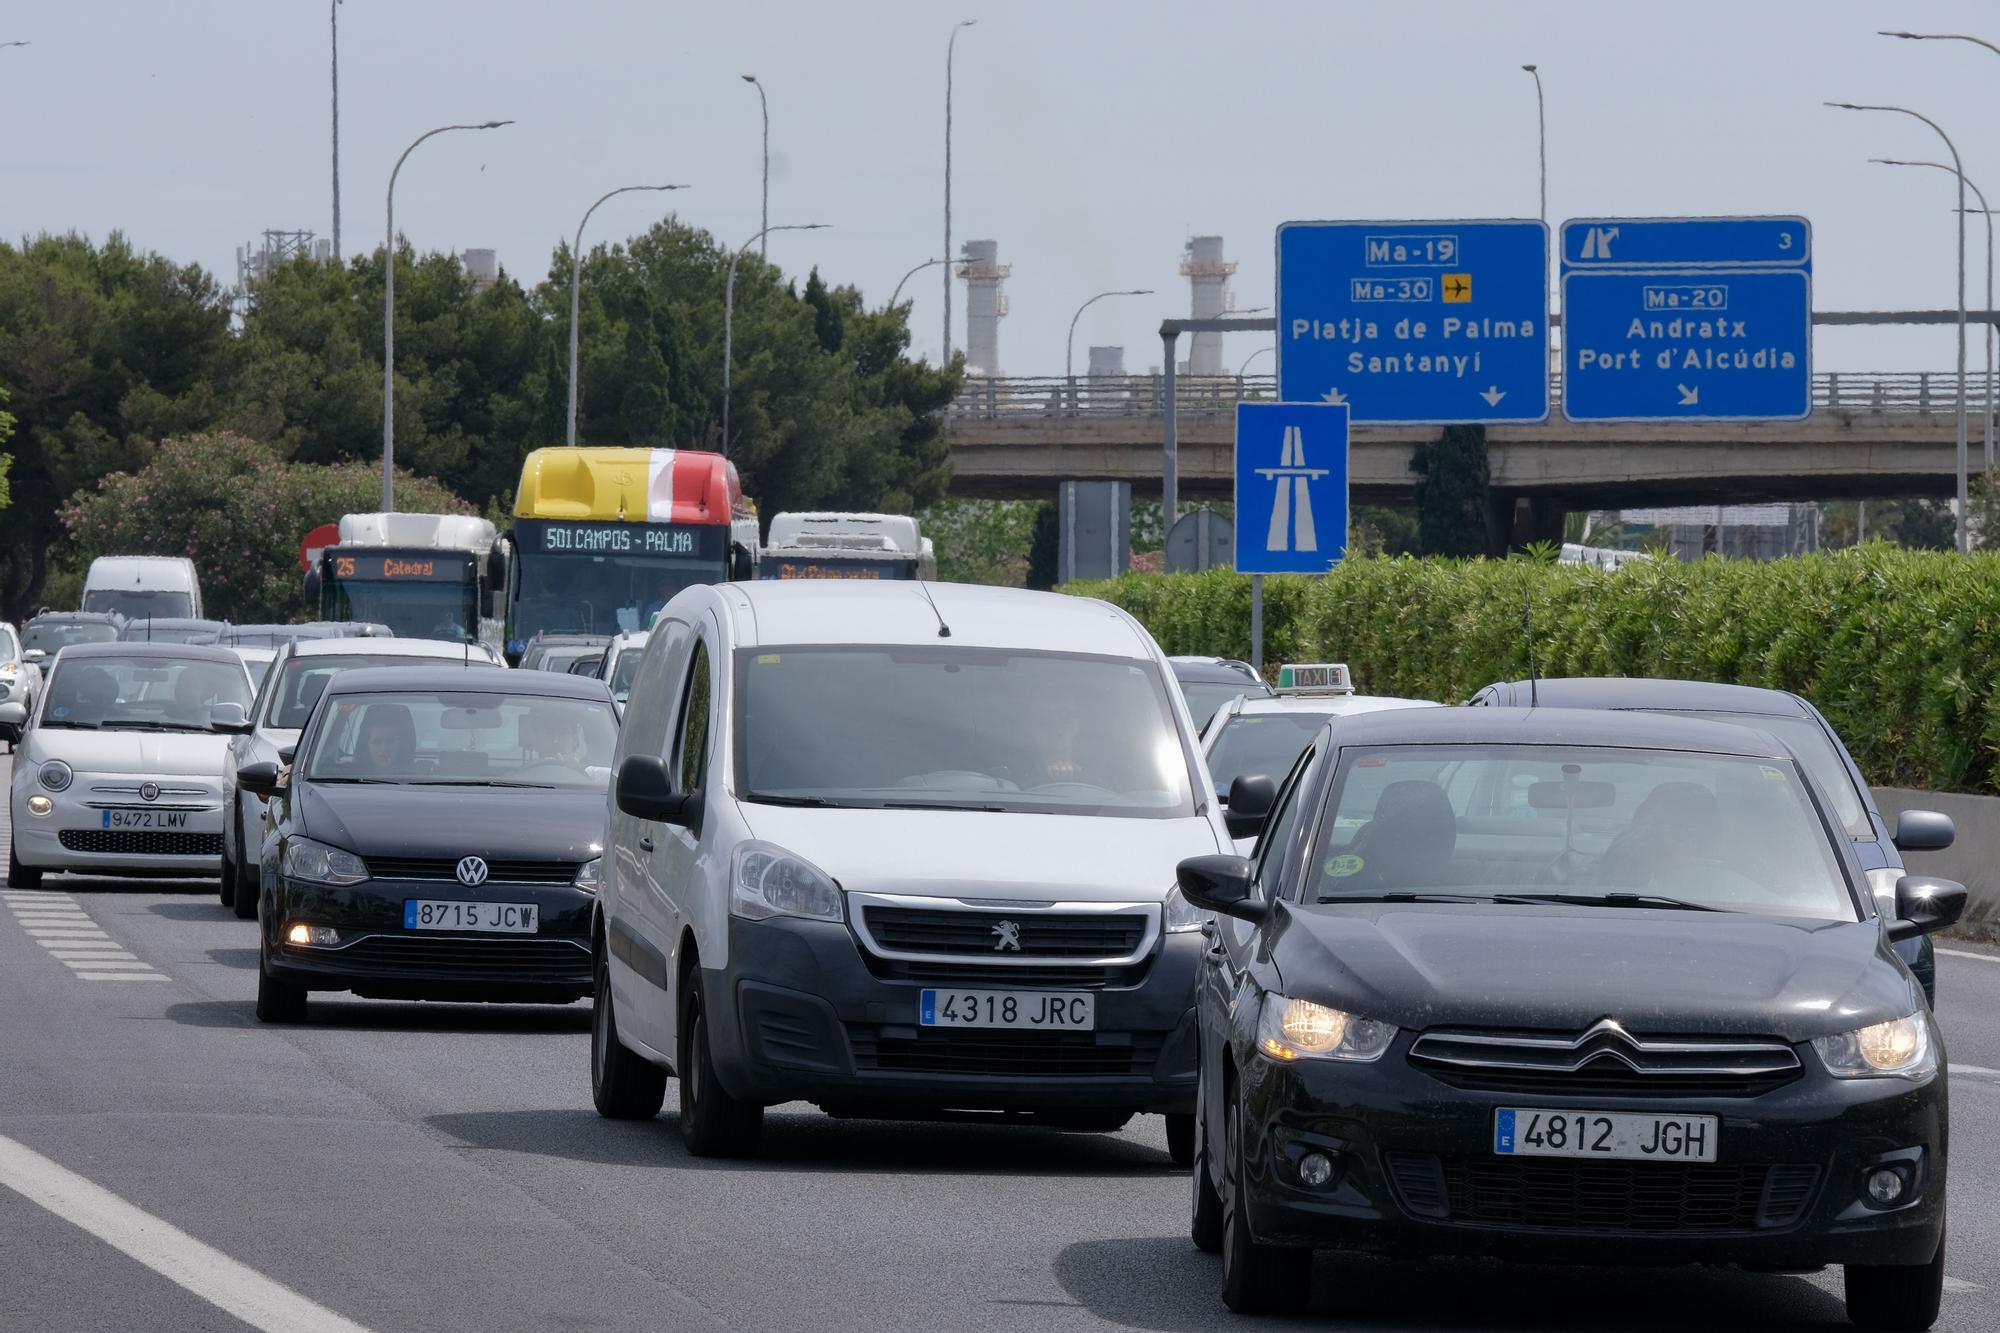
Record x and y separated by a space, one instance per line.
1528 636
944 630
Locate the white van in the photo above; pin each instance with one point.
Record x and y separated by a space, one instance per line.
141 587
897 850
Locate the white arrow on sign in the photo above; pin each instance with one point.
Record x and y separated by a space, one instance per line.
1689 397
1494 393
1336 397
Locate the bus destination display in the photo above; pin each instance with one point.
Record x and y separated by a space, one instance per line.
561 537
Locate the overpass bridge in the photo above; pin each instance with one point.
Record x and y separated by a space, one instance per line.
1869 435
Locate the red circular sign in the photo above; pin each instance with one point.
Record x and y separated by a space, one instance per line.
321 537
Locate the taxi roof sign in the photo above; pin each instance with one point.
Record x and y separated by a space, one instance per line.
1315 678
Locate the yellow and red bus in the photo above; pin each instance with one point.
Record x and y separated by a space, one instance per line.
604 537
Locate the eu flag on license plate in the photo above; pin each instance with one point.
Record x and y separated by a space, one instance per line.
1503 1131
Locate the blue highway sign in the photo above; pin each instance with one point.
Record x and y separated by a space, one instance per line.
1415 322
1687 319
1291 487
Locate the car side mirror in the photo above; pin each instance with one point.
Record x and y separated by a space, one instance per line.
645 791
287 753
13 719
1221 884
1923 831
259 779
1925 904
1251 797
228 718
35 656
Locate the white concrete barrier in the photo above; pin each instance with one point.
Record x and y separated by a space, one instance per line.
1969 860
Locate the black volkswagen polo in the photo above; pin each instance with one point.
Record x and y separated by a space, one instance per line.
437 835
1540 984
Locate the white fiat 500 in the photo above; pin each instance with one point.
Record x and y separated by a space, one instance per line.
119 771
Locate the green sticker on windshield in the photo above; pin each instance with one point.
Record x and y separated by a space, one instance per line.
768 659
1772 774
1340 867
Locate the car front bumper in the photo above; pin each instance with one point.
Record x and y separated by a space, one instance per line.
377 957
809 1019
75 835
1415 1172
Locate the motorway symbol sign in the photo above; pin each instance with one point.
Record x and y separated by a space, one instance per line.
1687 319
1291 487
1416 322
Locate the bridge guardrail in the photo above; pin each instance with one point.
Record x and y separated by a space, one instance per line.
1918 392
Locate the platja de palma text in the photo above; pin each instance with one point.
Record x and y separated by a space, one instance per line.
1461 358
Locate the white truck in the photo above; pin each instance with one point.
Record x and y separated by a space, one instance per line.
846 546
143 587
425 576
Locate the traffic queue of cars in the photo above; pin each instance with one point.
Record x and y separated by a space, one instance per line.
1577 976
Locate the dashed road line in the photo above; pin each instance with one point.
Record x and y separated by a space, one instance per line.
59 924
1967 953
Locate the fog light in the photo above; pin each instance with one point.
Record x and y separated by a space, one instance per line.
1315 1170
322 936
39 804
1885 1186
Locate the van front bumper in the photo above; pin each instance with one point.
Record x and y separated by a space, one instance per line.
809 1019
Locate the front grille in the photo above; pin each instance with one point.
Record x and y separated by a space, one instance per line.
1605 1061
470 959
972 974
497 872
1007 1054
924 930
140 842
1629 1197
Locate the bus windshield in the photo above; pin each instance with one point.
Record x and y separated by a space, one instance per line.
606 578
416 610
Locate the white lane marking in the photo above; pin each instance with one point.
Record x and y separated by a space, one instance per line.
122 976
1958 1286
94 952
1958 1068
107 965
67 933
230 1286
72 937
1977 957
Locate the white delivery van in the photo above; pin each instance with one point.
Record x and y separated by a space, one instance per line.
143 587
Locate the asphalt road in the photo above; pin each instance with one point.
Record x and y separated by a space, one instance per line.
432 1167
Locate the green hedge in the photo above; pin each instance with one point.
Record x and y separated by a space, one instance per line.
1900 649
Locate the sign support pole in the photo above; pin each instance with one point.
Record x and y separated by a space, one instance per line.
1257 622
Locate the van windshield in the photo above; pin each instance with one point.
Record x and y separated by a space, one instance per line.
139 603
959 728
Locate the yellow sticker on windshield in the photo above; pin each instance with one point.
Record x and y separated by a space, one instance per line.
768 659
1772 774
1347 863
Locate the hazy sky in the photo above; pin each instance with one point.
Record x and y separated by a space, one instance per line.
1092 136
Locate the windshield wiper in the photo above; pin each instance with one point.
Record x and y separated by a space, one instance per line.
1617 900
1407 897
934 805
385 782
146 724
817 802
69 726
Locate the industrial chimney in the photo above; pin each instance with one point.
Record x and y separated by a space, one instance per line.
1207 273
985 303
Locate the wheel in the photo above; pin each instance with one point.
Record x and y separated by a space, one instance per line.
20 876
249 886
226 890
1180 1139
713 1123
1256 1278
1898 1296
1205 1227
277 1001
622 1085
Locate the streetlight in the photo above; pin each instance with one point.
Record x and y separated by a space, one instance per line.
1940 37
1542 137
1227 314
911 274
1244 368
764 218
1958 169
5 45
1069 347
575 273
950 48
1983 209
333 16
389 316
729 312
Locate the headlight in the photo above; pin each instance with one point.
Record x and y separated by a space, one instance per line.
768 881
1295 1029
39 804
1178 915
56 775
1898 1048
590 875
321 864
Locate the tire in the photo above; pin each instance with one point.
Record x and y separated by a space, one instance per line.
226 891
1180 1139
1896 1296
1205 1225
1256 1278
18 875
277 1001
622 1085
249 887
713 1123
